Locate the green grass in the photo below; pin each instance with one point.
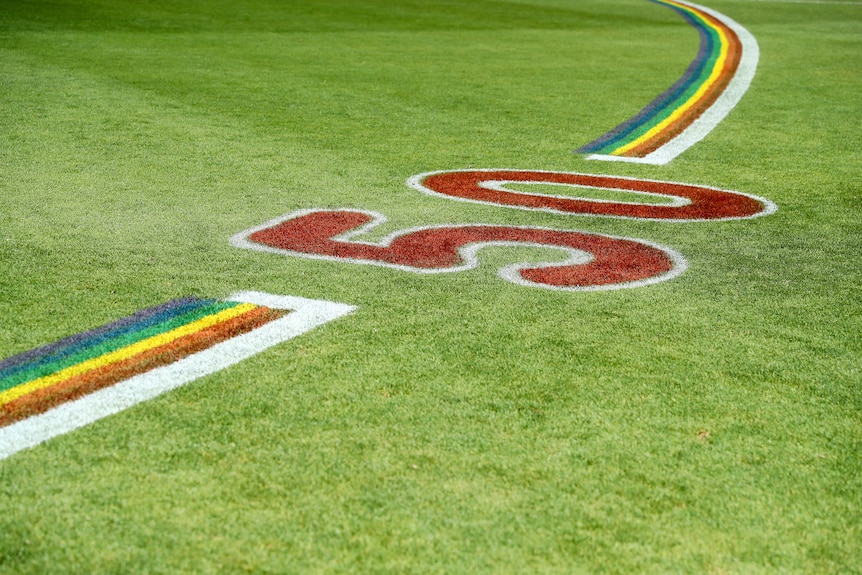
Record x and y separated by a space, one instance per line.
455 423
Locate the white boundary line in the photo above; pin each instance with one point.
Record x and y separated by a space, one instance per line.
469 252
306 314
415 182
713 115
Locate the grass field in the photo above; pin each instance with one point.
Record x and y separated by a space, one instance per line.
454 423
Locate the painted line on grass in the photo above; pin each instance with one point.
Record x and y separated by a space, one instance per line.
301 315
691 108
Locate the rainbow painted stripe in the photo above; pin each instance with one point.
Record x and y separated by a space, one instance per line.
686 112
38 380
61 387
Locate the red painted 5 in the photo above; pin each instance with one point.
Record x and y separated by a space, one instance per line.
595 262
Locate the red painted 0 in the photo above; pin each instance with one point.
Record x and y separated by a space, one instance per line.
612 262
698 203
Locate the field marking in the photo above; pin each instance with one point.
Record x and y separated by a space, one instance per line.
719 202
121 354
680 123
306 314
454 248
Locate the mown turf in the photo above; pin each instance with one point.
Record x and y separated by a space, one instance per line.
455 423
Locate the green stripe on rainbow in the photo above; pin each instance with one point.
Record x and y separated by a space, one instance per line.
36 381
682 115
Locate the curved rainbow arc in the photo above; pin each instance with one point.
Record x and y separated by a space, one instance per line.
686 112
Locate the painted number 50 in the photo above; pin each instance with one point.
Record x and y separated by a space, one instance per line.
593 261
